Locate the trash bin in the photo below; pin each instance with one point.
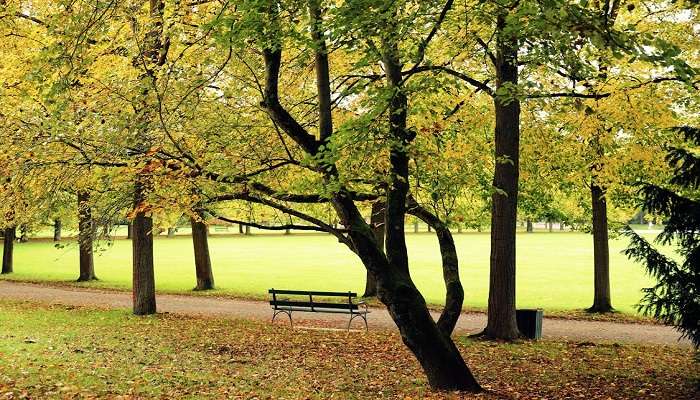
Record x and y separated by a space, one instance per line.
530 323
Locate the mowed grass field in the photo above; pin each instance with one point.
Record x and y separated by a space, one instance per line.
555 270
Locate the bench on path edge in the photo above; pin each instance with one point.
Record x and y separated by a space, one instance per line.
303 301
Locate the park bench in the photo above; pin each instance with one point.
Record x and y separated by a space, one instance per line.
303 301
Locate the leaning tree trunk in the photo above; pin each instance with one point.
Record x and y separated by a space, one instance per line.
601 254
8 249
377 222
202 261
57 230
454 294
501 306
86 234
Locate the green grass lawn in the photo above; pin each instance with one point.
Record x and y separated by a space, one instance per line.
554 269
57 352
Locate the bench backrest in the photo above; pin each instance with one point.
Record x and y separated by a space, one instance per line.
309 302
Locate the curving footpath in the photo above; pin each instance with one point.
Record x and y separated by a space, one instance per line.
378 319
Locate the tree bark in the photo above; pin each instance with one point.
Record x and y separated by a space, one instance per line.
202 260
550 225
501 305
240 229
57 230
143 287
154 55
8 250
415 227
377 222
454 294
529 228
247 230
86 234
601 254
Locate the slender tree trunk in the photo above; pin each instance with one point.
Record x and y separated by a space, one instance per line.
550 225
86 234
8 250
240 229
415 227
202 261
247 230
171 232
154 56
57 230
377 222
501 306
529 228
601 254
454 293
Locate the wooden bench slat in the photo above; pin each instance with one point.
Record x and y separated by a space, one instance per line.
313 293
308 304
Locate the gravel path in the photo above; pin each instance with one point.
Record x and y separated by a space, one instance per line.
378 319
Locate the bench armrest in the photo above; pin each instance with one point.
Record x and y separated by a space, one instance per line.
362 303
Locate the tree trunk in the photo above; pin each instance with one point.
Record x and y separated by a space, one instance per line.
171 232
154 56
561 226
530 228
8 250
454 294
57 230
86 234
601 254
430 229
144 290
287 231
550 225
415 227
202 261
377 222
247 230
129 230
501 306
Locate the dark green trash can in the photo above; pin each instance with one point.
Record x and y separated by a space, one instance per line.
530 323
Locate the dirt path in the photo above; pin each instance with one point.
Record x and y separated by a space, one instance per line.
378 319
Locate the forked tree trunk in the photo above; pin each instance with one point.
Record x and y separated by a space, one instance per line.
501 306
377 221
86 234
529 228
601 254
454 293
57 230
8 249
202 261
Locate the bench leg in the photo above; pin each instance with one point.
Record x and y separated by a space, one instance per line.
353 316
289 314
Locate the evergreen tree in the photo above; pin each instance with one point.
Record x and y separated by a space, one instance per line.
675 299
